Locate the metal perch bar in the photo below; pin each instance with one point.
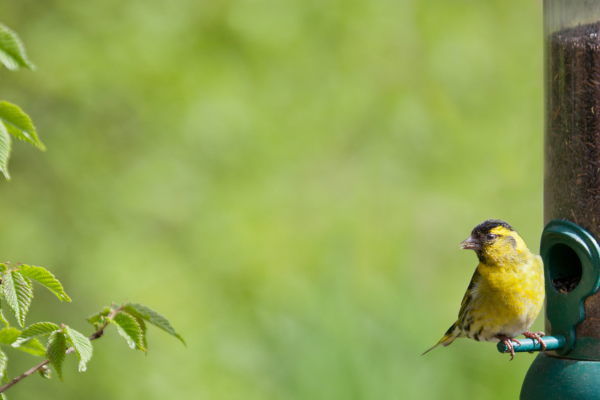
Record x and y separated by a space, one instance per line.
552 343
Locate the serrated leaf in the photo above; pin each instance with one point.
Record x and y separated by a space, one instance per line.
44 372
98 318
45 278
32 346
3 362
82 346
39 328
18 293
12 51
143 329
129 329
2 317
4 150
56 351
19 124
140 310
8 335
3 269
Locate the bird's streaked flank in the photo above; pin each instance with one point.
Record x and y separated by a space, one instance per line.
506 292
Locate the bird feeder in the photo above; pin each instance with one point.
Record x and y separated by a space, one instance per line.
570 366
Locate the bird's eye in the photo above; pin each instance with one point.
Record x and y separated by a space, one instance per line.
491 236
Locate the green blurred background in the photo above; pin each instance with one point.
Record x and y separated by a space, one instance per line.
286 180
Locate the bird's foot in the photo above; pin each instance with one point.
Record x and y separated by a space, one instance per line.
508 343
536 336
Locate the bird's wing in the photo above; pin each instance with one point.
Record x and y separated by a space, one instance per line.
454 332
467 298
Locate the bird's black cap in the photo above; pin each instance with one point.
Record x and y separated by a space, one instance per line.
486 226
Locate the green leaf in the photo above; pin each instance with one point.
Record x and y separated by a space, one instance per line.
99 318
2 317
44 372
129 329
45 278
143 329
12 51
3 269
39 328
56 351
3 362
18 293
82 346
4 150
8 335
141 311
32 346
19 124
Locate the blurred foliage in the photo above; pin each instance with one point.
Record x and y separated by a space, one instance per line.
13 121
287 180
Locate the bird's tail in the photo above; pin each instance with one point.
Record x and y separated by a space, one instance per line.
448 338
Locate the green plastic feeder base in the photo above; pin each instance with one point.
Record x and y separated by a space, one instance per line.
561 378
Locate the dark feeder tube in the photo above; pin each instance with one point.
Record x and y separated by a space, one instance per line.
570 369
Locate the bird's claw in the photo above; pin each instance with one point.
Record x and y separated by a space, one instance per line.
508 342
536 336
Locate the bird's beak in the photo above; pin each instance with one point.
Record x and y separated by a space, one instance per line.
470 243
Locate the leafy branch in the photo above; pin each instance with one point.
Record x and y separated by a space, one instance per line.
60 337
13 121
17 291
16 283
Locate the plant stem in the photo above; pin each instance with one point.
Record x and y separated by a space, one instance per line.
95 335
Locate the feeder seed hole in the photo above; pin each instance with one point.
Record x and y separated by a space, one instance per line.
565 268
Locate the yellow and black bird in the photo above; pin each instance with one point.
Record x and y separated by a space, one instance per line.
506 292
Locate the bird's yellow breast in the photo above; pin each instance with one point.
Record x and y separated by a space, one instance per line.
507 298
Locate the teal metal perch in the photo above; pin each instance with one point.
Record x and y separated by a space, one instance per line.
531 345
